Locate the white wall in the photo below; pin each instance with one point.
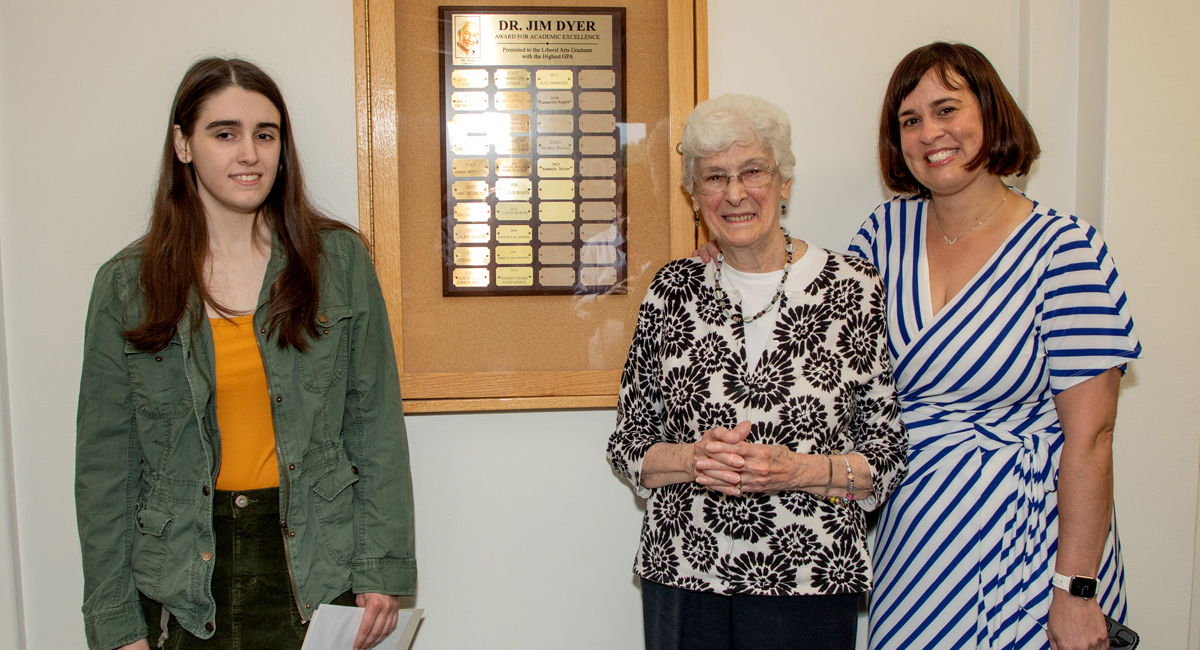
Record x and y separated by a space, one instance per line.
525 538
1111 88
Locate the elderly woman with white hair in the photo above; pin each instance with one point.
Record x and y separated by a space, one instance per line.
757 414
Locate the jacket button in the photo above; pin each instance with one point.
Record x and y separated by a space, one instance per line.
307 605
140 522
291 533
354 468
206 556
208 626
262 331
326 332
205 490
278 398
241 501
323 318
292 467
159 359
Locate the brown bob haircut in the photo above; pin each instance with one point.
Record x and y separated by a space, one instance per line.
1009 144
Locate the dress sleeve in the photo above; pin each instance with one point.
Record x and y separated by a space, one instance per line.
107 467
865 243
1085 323
640 407
877 430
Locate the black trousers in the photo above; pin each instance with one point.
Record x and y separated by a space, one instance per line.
679 619
255 606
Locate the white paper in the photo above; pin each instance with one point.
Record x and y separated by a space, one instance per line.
334 628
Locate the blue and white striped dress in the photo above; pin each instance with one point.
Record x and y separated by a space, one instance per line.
965 549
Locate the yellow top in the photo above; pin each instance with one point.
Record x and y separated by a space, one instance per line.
243 408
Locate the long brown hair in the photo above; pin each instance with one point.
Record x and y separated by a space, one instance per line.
1009 143
175 246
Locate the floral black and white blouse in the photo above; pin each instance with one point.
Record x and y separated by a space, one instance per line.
823 385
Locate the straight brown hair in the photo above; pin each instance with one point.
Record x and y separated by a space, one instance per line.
1009 143
175 246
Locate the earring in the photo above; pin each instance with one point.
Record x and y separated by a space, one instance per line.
696 217
783 208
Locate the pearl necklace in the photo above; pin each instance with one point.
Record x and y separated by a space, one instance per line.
950 241
727 307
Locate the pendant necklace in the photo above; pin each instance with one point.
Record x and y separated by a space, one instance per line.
950 241
727 308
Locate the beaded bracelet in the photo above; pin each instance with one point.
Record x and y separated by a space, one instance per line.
849 478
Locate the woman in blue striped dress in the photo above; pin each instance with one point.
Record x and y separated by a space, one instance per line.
1008 330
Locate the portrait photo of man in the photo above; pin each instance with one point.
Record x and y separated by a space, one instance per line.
466 41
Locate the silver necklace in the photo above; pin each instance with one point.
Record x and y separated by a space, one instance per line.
950 241
727 307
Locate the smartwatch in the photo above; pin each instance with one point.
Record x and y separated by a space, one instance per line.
1081 586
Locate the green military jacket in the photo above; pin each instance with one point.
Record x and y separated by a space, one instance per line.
149 448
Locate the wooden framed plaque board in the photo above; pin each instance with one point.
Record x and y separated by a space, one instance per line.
538 340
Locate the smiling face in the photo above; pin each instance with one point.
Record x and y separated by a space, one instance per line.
468 36
234 151
941 131
741 217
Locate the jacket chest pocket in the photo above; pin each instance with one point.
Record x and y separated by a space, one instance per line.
158 382
325 361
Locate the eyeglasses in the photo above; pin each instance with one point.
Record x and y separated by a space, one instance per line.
718 183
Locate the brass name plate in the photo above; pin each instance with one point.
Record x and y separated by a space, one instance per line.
472 212
597 78
556 255
514 276
598 275
472 233
471 277
517 100
470 145
469 78
513 166
597 189
512 78
556 123
471 167
556 277
597 167
598 232
556 211
514 254
590 211
555 100
470 190
597 145
597 101
597 254
469 101
472 255
519 145
556 167
555 145
522 211
597 123
556 190
514 189
556 232
514 234
555 79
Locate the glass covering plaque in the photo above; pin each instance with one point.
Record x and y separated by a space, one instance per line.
533 155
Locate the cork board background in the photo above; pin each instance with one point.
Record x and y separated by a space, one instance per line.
522 333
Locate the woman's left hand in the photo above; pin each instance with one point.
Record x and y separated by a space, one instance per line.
1076 624
379 619
766 468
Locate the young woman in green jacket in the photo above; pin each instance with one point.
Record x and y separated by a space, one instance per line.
241 453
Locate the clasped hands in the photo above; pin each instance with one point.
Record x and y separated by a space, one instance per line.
724 462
